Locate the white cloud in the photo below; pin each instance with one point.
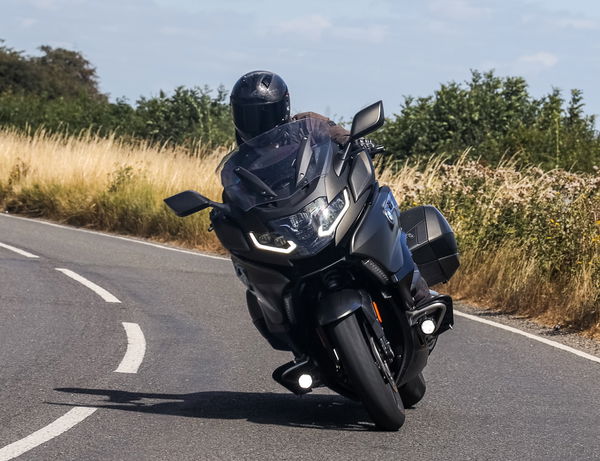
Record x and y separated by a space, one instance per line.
28 22
541 60
371 34
442 27
173 31
525 65
462 10
560 20
575 23
54 5
309 27
315 27
45 4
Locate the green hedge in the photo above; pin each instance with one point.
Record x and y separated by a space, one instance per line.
498 118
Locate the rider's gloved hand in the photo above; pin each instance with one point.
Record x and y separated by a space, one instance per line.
367 145
362 144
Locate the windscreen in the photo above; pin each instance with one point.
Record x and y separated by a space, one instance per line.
272 158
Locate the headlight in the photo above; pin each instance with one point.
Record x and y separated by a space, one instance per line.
272 242
308 231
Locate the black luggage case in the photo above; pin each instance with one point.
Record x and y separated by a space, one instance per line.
431 242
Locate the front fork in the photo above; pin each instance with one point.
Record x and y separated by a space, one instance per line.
339 304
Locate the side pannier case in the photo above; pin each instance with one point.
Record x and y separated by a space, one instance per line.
431 242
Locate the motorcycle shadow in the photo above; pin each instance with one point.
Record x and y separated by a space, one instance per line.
315 411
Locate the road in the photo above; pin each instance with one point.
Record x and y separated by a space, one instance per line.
203 388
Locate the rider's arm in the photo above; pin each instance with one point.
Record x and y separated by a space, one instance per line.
337 133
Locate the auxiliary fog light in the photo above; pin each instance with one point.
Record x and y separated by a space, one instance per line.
305 381
427 326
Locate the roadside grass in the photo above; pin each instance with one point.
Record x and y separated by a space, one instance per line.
106 184
529 239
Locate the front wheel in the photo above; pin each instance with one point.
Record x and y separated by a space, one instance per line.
368 373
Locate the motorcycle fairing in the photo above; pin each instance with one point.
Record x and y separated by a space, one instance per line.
255 211
379 237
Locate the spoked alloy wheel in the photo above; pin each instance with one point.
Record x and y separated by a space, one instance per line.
368 373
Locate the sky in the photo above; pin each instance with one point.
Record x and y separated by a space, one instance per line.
336 56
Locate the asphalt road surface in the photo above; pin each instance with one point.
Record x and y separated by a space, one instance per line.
193 376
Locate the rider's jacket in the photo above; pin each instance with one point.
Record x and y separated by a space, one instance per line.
337 133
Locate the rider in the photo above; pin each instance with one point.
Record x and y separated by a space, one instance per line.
260 101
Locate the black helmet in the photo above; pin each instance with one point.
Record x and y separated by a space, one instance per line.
259 101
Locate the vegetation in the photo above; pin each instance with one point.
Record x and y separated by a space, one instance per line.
105 183
497 118
530 240
57 73
58 91
504 173
494 117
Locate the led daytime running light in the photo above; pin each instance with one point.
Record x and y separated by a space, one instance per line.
326 232
260 246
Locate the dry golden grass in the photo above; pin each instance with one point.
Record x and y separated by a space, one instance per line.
530 240
106 184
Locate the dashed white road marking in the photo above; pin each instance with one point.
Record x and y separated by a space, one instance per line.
108 297
549 342
136 349
54 429
18 251
118 237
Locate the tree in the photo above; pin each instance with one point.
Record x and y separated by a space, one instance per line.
188 117
57 73
495 116
16 72
66 73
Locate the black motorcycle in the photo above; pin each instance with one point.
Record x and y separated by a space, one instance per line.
329 263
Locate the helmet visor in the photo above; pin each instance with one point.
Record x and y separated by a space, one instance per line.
254 119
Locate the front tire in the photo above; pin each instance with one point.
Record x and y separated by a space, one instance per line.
362 364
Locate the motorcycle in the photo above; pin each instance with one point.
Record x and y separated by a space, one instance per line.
330 263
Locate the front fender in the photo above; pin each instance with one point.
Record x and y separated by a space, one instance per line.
340 304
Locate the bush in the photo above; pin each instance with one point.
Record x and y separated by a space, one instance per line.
57 73
59 92
187 118
497 118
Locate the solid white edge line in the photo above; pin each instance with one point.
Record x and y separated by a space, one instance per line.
108 297
136 349
52 430
18 250
127 239
548 342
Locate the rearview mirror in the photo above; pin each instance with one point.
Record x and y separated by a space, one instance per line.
188 202
367 120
